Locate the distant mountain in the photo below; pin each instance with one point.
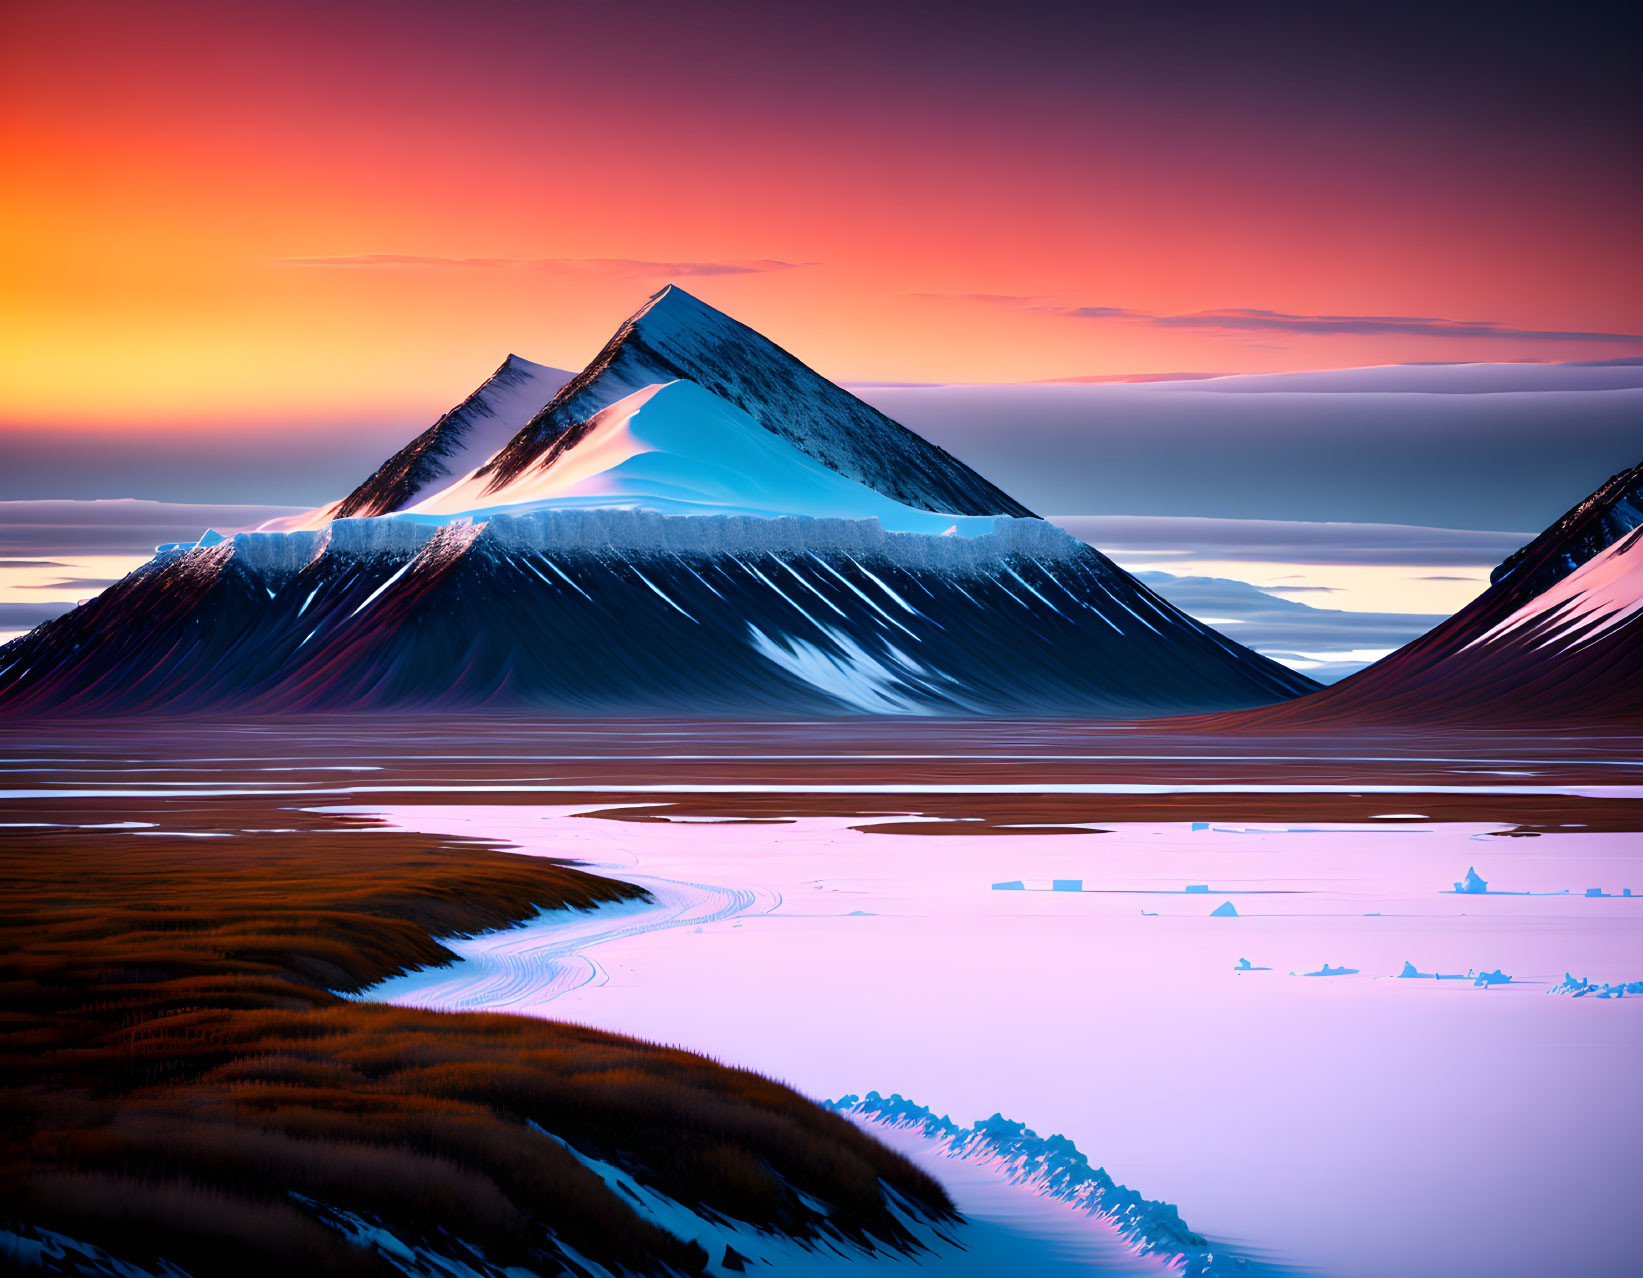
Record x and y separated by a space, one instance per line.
462 439
676 336
1557 636
669 551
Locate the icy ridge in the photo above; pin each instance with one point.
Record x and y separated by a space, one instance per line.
1580 987
1055 1167
646 532
274 554
367 537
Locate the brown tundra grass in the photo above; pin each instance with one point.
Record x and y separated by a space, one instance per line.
180 1079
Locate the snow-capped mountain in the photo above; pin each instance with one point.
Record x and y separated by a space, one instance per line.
669 552
678 449
676 336
464 438
1557 636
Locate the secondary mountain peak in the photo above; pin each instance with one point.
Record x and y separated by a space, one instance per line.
459 441
462 439
676 336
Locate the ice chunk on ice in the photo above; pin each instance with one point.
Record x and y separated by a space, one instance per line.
1225 910
1472 884
1579 987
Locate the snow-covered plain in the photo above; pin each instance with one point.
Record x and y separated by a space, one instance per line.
1356 1124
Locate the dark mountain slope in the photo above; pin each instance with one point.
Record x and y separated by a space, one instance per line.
627 613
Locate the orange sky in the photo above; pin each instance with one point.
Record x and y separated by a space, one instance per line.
161 165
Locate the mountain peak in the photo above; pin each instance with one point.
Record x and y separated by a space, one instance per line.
678 295
1590 526
676 336
672 308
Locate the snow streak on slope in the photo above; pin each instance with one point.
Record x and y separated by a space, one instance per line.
680 450
1604 592
462 439
676 336
609 611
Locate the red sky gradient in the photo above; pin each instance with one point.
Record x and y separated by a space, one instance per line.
945 184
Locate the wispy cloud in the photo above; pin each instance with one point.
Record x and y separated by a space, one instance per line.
623 266
26 616
1253 321
69 585
1238 320
119 527
1160 538
1101 379
1000 299
1325 642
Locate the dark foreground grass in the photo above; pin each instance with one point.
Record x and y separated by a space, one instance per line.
180 1081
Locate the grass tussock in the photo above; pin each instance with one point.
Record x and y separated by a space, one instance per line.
183 1081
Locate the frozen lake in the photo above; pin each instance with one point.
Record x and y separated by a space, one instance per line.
1356 1124
1030 919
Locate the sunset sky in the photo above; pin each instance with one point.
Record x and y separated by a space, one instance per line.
253 213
